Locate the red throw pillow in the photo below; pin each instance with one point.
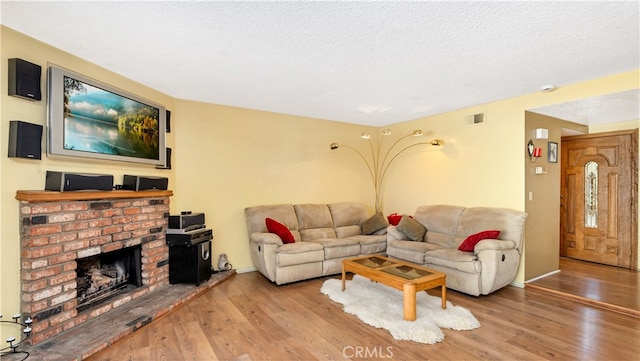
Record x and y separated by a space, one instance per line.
280 229
394 218
471 241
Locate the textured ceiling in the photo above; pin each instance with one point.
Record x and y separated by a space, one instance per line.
617 107
373 63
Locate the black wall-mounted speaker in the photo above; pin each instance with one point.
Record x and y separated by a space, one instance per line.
25 140
140 183
62 181
168 122
167 162
24 79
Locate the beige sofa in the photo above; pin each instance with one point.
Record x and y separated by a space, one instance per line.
492 264
324 234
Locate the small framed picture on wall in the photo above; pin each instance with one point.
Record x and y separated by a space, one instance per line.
553 152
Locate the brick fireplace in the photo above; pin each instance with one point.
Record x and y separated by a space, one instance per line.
59 228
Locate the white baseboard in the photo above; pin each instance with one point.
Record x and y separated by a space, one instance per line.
246 270
517 284
543 276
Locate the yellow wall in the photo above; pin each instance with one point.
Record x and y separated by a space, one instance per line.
480 164
632 124
27 174
226 158
231 158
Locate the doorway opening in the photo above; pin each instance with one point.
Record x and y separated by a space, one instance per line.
599 193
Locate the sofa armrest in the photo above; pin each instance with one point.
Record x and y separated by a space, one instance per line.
394 234
500 260
493 244
266 238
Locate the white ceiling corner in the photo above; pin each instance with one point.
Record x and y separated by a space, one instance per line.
366 62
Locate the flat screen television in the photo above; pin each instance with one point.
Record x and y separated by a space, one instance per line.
87 118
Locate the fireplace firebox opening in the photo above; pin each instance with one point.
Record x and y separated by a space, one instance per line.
104 276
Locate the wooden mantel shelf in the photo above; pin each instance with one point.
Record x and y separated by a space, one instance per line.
50 196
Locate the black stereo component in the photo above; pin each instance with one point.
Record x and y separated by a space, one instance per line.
189 238
62 181
190 264
24 79
142 183
186 220
25 140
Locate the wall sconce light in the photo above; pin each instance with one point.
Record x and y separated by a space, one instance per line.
378 165
533 151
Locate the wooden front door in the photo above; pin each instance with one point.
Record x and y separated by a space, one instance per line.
599 198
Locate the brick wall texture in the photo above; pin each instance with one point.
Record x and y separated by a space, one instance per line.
55 234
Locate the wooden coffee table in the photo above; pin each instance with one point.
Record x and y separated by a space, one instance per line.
404 276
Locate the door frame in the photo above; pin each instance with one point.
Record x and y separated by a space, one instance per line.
634 190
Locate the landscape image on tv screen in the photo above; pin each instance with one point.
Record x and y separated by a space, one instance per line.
98 121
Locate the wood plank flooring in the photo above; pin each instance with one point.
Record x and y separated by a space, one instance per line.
249 318
100 332
599 285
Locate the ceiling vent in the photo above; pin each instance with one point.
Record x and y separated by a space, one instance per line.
475 119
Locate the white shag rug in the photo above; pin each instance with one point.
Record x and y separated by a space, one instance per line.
382 307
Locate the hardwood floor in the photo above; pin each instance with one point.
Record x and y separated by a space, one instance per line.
613 288
250 318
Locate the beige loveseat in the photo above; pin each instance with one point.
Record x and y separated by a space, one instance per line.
491 265
324 235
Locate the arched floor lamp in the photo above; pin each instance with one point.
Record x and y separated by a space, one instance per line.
378 168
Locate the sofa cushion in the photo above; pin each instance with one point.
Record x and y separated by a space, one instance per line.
299 253
316 233
414 246
394 233
347 214
374 224
452 258
440 218
409 250
470 242
443 240
280 229
348 231
313 216
314 221
338 247
381 232
370 244
411 228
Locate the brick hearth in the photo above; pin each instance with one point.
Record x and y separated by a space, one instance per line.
59 227
99 333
